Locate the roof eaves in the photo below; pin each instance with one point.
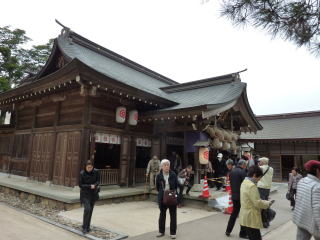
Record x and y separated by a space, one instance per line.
259 126
36 82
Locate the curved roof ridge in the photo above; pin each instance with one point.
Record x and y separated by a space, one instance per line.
207 82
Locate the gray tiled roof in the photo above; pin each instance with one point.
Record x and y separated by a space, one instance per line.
214 91
112 68
287 128
212 95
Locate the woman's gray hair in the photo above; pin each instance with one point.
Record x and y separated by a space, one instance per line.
229 162
241 162
164 161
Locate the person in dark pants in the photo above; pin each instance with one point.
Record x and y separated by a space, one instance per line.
237 175
210 173
175 162
186 175
166 180
294 178
89 192
264 186
220 170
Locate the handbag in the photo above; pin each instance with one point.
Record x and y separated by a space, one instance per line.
270 214
170 197
289 195
96 193
181 181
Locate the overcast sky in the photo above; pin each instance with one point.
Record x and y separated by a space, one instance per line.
184 40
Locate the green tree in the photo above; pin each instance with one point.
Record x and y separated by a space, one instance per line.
293 20
17 62
36 57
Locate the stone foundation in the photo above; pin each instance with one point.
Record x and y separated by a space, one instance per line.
54 204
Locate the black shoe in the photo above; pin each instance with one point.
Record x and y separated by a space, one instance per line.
160 235
227 234
85 231
265 225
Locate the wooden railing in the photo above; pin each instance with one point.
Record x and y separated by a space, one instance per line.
109 176
140 175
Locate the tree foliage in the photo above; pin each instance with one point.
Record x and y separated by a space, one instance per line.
296 21
17 62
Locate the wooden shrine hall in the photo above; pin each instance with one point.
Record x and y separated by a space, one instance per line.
88 102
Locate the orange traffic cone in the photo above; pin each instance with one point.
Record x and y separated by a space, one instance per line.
205 191
228 187
229 209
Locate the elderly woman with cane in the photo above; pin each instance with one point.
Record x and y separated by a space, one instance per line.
167 185
89 192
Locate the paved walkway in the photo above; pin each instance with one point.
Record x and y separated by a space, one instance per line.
16 225
133 218
213 227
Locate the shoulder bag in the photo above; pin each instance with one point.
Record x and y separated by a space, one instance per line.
169 197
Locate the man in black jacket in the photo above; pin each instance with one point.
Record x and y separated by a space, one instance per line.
237 175
220 169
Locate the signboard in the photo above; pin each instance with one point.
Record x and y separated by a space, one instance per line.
107 138
143 142
204 155
175 141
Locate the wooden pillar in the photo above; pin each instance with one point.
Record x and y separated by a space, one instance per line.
185 154
124 160
156 147
197 166
85 138
55 124
132 163
163 152
33 125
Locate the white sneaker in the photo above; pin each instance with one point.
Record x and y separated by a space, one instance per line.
173 236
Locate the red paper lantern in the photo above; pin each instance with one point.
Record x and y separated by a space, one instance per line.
121 114
133 117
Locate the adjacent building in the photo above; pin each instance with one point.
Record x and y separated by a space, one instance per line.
289 140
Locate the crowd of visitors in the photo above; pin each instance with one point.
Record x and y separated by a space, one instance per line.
250 190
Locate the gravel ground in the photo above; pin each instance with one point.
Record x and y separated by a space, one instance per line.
53 215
